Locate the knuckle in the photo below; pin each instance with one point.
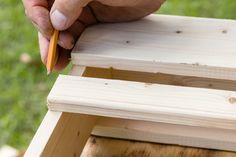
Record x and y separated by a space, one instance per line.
40 20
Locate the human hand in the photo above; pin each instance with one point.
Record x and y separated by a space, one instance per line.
71 17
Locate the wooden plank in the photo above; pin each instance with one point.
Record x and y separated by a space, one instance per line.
62 134
176 45
43 134
183 135
70 135
160 78
144 101
107 147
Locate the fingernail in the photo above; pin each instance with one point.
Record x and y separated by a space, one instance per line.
58 20
72 43
26 12
61 43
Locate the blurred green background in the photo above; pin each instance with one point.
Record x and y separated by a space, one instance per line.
24 84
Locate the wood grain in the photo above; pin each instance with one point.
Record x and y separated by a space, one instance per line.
45 130
160 78
202 137
144 101
162 44
107 147
62 134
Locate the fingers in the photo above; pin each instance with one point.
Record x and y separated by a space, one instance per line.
63 54
63 59
87 16
129 3
43 47
63 15
122 13
66 40
72 33
37 12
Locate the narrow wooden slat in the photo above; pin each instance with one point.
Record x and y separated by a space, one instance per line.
69 136
162 44
160 78
183 135
143 101
62 134
38 144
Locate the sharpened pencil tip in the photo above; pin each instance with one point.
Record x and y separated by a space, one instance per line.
49 72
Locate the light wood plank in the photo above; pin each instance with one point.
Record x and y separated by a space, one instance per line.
160 78
107 147
162 44
62 134
69 136
43 134
144 101
210 138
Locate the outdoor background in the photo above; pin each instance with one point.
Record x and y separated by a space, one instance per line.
24 84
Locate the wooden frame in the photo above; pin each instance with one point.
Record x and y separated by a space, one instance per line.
62 134
132 87
143 101
131 100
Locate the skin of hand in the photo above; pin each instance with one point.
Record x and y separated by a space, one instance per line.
71 17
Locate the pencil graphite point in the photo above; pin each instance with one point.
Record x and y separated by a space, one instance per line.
49 72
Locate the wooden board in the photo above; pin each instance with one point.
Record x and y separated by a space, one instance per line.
162 44
159 78
38 144
107 147
183 135
144 101
62 134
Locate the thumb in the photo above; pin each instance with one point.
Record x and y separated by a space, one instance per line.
65 12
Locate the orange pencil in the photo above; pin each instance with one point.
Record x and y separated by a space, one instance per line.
52 52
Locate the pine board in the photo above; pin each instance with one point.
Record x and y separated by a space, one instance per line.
176 45
144 101
192 136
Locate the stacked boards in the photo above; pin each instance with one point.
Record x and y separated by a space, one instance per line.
199 49
164 79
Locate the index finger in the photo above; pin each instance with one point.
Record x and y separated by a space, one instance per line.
38 12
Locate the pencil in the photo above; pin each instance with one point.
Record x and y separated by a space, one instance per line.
52 52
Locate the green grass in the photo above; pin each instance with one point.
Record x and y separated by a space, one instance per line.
203 8
23 87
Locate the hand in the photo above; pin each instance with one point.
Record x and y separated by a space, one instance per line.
71 17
